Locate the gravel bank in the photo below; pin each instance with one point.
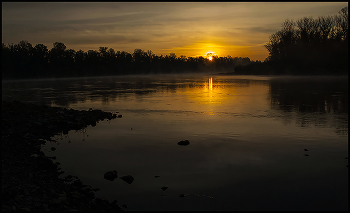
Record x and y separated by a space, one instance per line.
29 178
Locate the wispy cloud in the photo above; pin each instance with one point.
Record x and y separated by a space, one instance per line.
161 27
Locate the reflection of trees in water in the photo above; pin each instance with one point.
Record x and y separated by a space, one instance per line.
318 102
71 91
64 92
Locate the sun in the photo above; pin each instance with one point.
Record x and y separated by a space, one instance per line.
210 55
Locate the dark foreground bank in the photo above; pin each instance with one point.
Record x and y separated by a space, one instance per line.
29 178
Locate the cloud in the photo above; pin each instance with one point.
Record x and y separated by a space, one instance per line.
264 30
165 26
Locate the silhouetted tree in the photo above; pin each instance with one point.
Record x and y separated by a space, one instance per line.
6 65
310 46
24 61
40 60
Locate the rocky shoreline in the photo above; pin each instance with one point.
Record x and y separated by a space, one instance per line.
30 179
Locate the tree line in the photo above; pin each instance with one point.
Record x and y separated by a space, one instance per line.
23 60
307 46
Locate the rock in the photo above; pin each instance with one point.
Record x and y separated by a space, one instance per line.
53 148
101 201
306 150
128 178
29 178
164 188
114 204
157 176
55 201
77 183
182 195
119 116
183 143
111 175
45 207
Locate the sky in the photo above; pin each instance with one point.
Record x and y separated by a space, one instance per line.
238 29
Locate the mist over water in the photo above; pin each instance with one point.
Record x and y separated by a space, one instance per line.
247 138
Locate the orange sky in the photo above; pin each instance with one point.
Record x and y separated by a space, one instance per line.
238 29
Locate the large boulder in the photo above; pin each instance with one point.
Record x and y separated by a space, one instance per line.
111 175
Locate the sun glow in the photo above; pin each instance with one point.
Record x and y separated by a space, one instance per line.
210 55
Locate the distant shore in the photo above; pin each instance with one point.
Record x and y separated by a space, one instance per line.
29 178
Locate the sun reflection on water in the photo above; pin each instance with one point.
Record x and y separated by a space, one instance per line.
211 83
210 94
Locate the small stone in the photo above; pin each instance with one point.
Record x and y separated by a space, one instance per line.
184 143
77 183
45 207
53 148
76 194
25 192
128 178
164 188
55 201
114 204
111 175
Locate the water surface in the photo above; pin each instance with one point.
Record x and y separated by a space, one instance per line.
247 138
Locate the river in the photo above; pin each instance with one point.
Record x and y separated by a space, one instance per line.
247 134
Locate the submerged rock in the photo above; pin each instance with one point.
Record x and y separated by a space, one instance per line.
111 175
184 143
128 178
